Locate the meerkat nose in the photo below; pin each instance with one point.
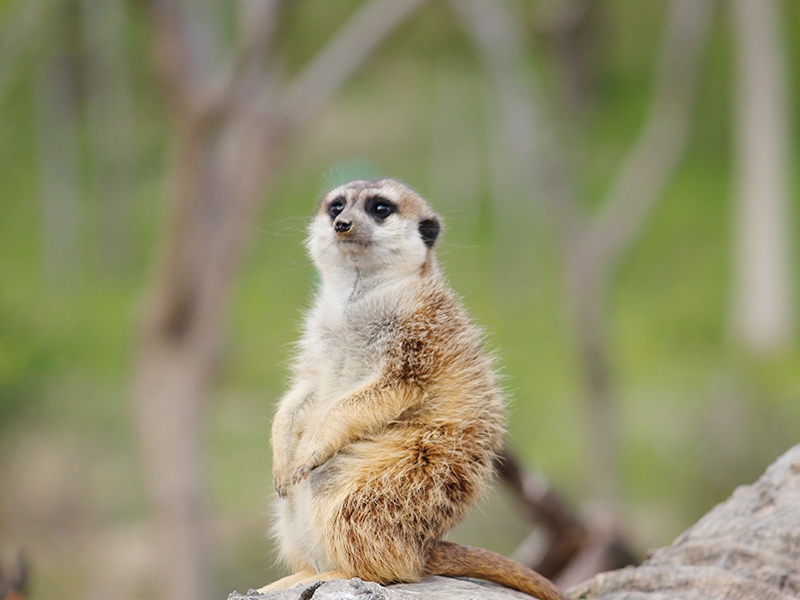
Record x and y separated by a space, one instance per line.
342 225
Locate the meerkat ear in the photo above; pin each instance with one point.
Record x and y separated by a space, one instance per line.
429 230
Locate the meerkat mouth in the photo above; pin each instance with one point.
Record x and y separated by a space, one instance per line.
354 242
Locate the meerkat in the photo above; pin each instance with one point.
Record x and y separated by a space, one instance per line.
394 414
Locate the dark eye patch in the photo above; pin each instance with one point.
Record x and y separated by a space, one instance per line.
379 208
336 207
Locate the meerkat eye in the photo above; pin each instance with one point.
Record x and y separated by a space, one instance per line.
380 208
335 208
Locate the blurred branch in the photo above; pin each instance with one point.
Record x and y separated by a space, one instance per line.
14 584
176 66
646 170
764 305
205 33
558 18
249 79
355 41
523 111
258 23
565 532
21 31
570 30
56 103
639 184
575 546
592 247
189 59
110 118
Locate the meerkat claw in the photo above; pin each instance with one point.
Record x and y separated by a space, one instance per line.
300 473
280 487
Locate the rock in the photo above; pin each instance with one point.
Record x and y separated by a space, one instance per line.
439 588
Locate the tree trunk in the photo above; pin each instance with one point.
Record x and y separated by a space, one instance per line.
764 299
183 330
570 30
59 156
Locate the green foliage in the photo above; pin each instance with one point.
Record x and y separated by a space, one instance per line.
22 366
697 416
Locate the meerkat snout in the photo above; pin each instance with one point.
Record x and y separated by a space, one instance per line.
342 225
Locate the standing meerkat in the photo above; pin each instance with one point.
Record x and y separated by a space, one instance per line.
387 433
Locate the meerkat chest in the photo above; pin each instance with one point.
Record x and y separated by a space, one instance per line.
352 351
340 356
349 334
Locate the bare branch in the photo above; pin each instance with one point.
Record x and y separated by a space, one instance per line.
174 62
575 547
566 534
189 57
498 40
57 116
342 56
22 30
249 78
591 247
109 100
258 24
652 160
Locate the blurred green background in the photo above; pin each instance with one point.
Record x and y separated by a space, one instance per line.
699 412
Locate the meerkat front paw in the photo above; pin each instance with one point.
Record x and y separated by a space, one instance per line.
307 464
281 480
281 486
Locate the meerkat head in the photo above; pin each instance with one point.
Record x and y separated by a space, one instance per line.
373 225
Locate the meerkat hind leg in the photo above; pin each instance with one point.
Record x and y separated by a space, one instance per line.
303 578
327 576
286 582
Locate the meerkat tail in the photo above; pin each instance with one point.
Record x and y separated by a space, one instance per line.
454 560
